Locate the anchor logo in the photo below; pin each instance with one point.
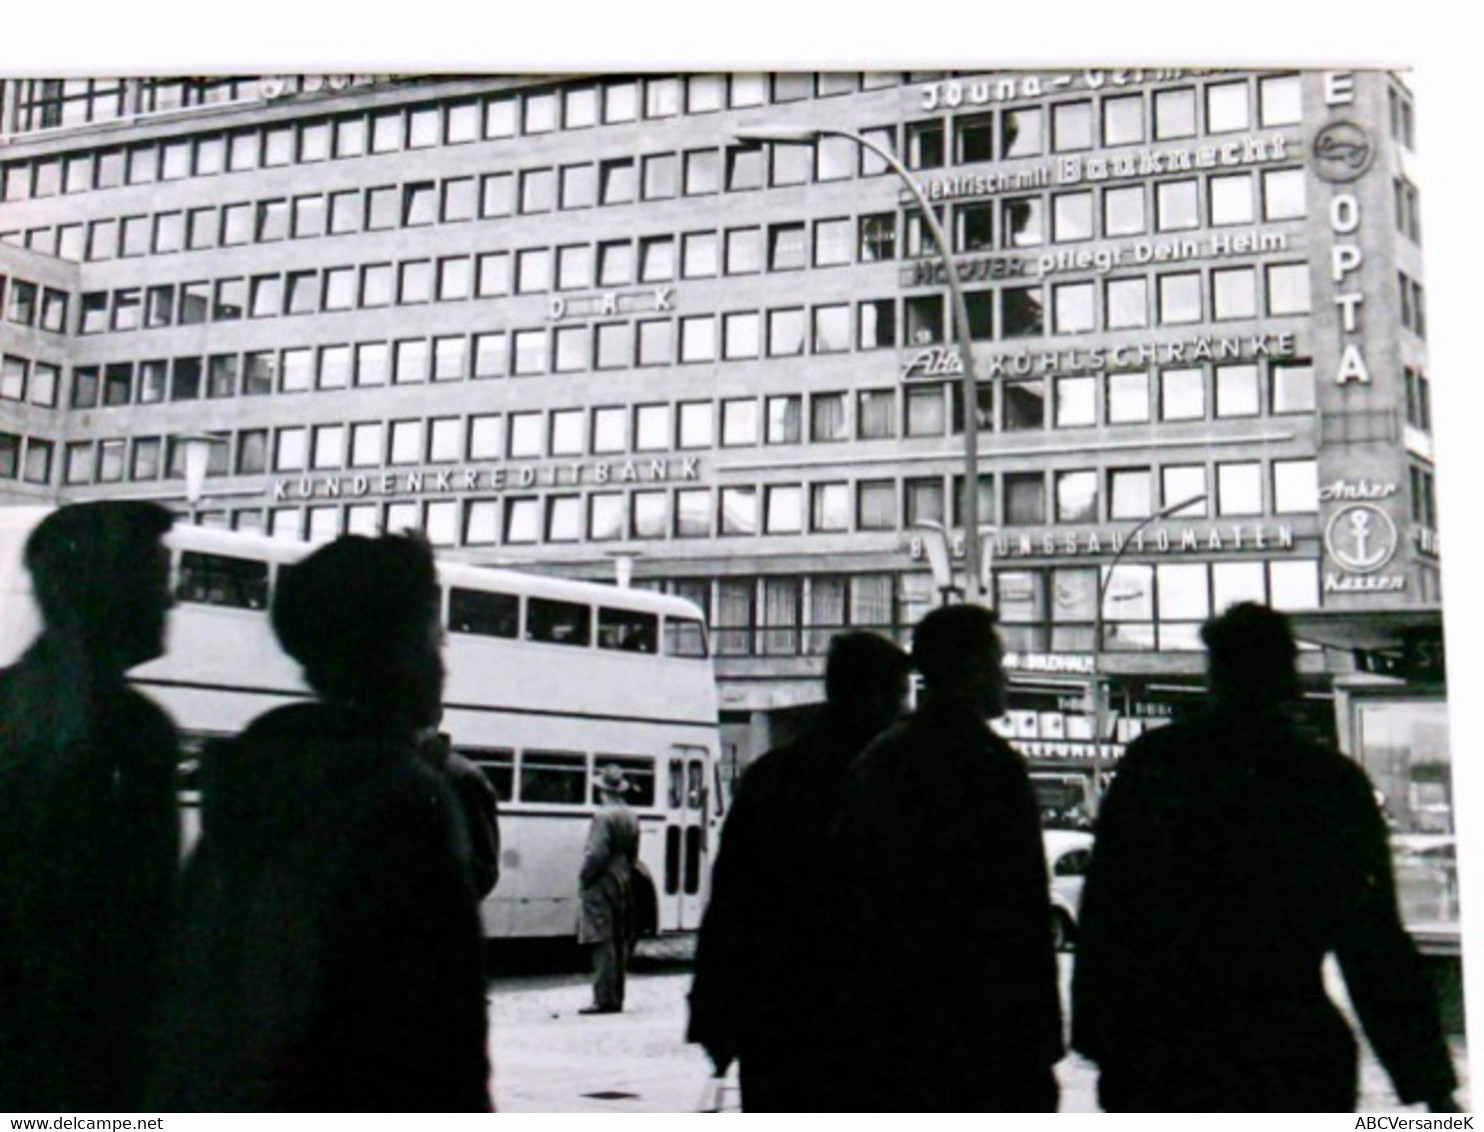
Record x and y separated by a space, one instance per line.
1361 538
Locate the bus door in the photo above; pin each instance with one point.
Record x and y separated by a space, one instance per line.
687 792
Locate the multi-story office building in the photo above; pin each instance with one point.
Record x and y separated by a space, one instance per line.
564 321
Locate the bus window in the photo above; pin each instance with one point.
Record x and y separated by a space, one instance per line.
483 614
558 622
638 771
496 766
628 630
553 777
677 783
215 579
685 636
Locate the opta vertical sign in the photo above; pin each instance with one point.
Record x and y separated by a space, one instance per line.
1342 153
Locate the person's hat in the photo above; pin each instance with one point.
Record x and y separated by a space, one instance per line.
611 779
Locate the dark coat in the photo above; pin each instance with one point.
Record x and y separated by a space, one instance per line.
1231 856
767 948
607 879
330 952
949 954
481 811
89 851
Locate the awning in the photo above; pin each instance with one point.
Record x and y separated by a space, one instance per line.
1403 643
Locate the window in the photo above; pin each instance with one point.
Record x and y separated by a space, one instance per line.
497 195
383 208
744 251
1179 483
739 422
1293 387
656 259
741 335
1071 217
875 414
661 176
698 338
1024 405
615 345
827 420
558 623
455 278
739 511
529 349
579 186
876 324
834 159
1180 298
1231 199
1175 206
974 227
460 199
1294 585
345 213
411 361
1239 489
925 412
493 274
1295 487
1023 222
1025 499
698 255
540 112
485 437
1077 497
610 430
1279 100
1236 391
1226 107
878 237
1130 493
615 263
301 292
1234 293
1182 394
1075 307
924 500
783 510
784 424
1021 312
925 148
574 267
876 505
829 507
1123 120
702 171
372 363
618 181
693 513
532 271
1076 402
651 428
696 426
1288 288
924 320
1071 126
1021 133
1127 303
537 191
831 329
831 242
785 332
657 342
792 164
525 435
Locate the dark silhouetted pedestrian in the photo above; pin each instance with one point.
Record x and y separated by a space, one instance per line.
479 805
606 920
330 952
1232 855
769 943
89 837
948 953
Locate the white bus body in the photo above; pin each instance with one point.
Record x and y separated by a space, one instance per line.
547 679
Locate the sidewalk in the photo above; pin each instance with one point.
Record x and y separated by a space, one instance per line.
548 1058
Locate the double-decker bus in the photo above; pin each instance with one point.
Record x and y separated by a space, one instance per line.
547 679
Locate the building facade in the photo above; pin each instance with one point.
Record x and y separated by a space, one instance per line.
571 322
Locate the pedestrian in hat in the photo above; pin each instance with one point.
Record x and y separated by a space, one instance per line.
608 891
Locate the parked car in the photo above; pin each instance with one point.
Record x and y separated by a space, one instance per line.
1068 855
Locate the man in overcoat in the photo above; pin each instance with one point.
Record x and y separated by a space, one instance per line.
1232 855
947 948
89 837
768 947
607 914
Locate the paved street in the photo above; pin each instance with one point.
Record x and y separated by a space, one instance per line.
548 1058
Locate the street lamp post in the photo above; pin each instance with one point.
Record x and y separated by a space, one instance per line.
781 134
1098 713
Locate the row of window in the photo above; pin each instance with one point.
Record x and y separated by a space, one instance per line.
42 104
1424 497
1048 609
1220 106
26 458
24 303
930 410
1180 204
24 379
1408 209
1235 489
243 583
